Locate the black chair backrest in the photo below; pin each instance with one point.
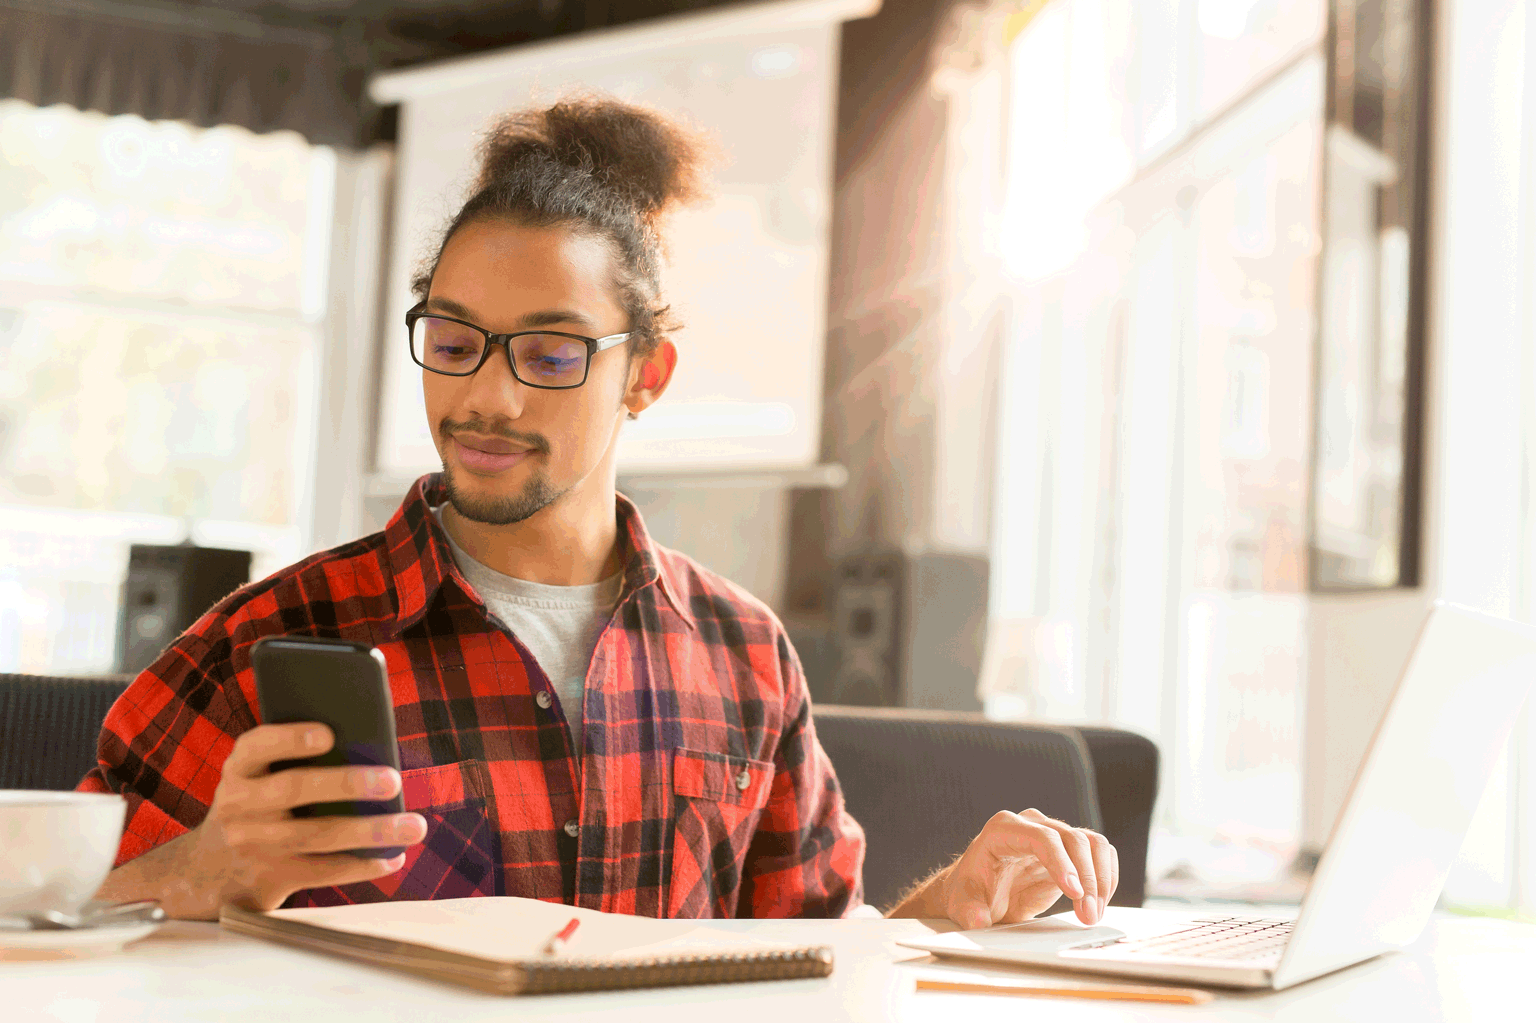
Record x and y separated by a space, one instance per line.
49 728
923 783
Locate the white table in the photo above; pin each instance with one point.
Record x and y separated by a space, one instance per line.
1462 969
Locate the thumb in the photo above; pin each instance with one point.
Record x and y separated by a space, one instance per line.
969 894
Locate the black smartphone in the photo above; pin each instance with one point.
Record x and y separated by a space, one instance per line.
340 684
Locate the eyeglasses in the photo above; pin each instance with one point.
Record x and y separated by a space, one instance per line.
550 359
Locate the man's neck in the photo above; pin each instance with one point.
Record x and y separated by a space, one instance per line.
568 543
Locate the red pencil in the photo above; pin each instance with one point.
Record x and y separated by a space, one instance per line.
562 938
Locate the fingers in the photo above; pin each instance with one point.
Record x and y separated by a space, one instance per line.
1079 848
344 868
257 750
1033 892
326 834
301 786
1114 859
1102 878
1100 886
1105 867
1034 834
317 872
249 849
1016 866
971 891
1008 854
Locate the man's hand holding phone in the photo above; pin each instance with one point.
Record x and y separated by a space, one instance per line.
251 851
309 800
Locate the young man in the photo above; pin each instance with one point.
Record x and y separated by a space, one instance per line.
583 716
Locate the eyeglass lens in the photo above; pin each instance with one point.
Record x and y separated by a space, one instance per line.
546 360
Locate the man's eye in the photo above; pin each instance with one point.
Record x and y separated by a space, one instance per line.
553 360
453 351
554 364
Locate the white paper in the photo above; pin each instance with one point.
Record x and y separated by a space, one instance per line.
507 928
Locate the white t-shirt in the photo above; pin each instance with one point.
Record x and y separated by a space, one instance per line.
559 625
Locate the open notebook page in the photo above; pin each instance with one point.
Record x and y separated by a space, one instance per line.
508 928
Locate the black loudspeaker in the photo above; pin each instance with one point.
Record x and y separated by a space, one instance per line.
867 624
906 631
167 589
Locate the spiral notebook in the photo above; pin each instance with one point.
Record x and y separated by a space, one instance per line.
497 944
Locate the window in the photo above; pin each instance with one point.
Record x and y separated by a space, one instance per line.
161 292
1164 199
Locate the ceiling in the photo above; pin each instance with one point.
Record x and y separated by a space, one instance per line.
267 64
399 32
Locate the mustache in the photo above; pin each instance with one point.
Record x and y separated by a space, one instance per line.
536 441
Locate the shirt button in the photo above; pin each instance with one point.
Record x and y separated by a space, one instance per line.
572 828
744 779
543 699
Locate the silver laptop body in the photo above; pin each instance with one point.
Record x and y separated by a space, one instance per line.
1385 863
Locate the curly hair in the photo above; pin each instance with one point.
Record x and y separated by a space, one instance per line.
596 164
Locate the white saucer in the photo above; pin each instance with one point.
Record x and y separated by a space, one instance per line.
80 941
85 939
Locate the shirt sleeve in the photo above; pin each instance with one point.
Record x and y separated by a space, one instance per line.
807 856
165 740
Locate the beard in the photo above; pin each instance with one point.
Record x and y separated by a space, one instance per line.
498 509
501 509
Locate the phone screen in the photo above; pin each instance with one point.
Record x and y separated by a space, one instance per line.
342 685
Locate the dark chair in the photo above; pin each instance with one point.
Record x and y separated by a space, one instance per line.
923 783
49 727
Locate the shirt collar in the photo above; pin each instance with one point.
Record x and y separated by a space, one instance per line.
420 559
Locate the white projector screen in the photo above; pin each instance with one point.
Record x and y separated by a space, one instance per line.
749 272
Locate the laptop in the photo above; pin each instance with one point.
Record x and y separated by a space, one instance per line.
1385 863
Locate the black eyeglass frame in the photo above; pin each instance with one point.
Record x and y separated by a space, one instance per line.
594 345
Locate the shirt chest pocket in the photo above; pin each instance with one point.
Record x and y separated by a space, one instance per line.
460 856
717 800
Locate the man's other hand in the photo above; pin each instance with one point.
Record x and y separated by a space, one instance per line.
251 851
1018 866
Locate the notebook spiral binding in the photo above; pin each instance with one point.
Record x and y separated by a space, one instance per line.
668 971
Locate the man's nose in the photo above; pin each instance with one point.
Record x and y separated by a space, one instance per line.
494 389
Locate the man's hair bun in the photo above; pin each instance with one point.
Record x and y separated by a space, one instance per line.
647 159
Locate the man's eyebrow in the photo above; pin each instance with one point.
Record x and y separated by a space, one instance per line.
531 321
449 306
551 317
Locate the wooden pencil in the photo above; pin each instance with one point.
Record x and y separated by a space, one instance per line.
1121 993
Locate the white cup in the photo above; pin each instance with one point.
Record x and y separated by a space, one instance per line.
56 848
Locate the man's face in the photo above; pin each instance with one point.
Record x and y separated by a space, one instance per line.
510 450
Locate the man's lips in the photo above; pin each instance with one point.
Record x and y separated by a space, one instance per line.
488 454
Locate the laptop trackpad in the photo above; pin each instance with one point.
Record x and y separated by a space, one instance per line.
1045 936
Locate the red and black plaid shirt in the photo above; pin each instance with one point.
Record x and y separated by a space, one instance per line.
693 689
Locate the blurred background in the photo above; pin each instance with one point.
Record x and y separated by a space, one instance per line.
1144 362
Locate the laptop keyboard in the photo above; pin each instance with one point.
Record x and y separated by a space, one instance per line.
1227 938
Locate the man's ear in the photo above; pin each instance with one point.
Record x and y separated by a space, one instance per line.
649 376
